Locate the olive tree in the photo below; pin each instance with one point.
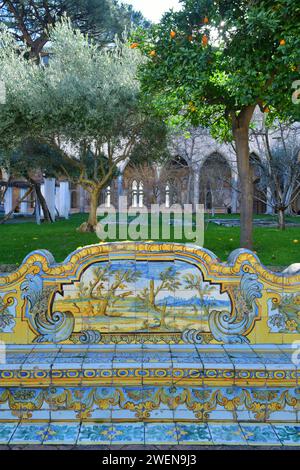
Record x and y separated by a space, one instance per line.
86 103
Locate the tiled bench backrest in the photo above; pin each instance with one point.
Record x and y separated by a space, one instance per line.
148 293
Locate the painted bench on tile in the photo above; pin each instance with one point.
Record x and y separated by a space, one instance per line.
137 331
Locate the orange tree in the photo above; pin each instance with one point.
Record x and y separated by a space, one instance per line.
214 62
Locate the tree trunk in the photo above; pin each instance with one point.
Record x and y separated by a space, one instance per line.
91 224
281 219
42 201
151 293
241 136
163 315
103 305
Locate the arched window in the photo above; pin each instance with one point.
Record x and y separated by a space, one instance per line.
74 196
167 203
174 179
108 197
259 196
141 194
215 184
134 193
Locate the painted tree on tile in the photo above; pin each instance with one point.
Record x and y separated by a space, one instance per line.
107 287
195 282
6 318
168 281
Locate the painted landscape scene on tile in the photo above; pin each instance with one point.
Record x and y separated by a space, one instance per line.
126 296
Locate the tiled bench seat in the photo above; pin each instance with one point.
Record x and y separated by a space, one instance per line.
149 343
139 382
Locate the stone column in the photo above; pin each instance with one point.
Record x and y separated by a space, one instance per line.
63 199
108 197
48 191
270 209
24 204
120 185
8 200
141 195
234 193
196 196
81 200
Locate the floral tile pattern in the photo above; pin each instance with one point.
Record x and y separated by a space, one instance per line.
260 434
132 433
6 431
95 434
62 433
229 434
188 434
288 434
30 434
226 434
161 434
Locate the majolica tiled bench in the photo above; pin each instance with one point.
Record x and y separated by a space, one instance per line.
155 382
147 333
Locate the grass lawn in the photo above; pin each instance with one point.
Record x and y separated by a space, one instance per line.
273 247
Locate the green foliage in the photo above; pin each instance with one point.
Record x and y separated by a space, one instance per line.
244 63
85 105
30 21
38 158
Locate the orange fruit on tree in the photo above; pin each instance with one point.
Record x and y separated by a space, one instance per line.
204 40
282 42
206 20
190 38
134 45
173 34
152 53
267 110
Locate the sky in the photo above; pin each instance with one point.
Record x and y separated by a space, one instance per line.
154 9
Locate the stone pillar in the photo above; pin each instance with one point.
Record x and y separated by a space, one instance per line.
134 194
8 200
196 197
24 204
234 193
270 209
141 195
167 203
108 197
48 191
120 185
63 199
81 200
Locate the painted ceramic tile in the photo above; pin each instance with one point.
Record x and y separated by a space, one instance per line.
132 433
259 434
92 434
114 293
142 297
193 434
284 314
6 432
288 434
161 433
226 434
64 433
30 434
7 313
